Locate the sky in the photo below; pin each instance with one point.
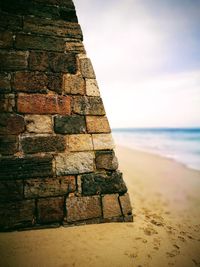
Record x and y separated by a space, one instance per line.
146 56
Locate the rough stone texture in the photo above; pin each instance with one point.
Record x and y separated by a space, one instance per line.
88 105
43 144
5 85
8 144
50 210
86 68
39 124
17 214
92 88
73 84
7 102
55 82
11 22
79 142
97 124
102 141
27 167
43 104
48 187
13 60
6 39
106 160
83 208
74 124
103 183
74 163
11 124
111 206
75 47
125 205
11 190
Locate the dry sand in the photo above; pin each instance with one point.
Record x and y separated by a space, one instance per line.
165 232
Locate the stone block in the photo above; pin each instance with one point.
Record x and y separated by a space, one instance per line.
73 84
111 206
7 102
39 123
106 160
8 144
50 210
59 62
125 204
55 82
75 47
92 88
11 124
48 187
30 82
17 214
83 208
11 190
43 104
97 124
38 144
13 60
39 60
53 27
86 68
74 163
68 14
29 41
79 142
5 85
103 183
73 124
88 105
27 167
11 22
6 39
102 141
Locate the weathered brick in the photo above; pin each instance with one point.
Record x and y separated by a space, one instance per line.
83 208
106 160
39 60
111 206
27 167
11 190
69 124
11 124
8 144
43 104
7 102
92 88
6 39
74 163
13 60
60 62
86 68
75 47
79 142
103 183
55 82
73 84
30 82
43 144
11 22
5 85
125 204
39 124
102 141
52 27
48 187
50 210
91 105
97 124
29 41
17 214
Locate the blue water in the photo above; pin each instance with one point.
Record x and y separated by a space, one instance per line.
182 145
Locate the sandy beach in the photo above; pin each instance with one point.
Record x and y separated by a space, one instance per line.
165 232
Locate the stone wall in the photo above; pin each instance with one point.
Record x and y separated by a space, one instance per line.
57 164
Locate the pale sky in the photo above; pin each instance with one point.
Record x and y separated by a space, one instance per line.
146 56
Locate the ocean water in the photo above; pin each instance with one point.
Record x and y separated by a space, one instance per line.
182 145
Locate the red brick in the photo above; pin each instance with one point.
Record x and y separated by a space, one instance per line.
43 104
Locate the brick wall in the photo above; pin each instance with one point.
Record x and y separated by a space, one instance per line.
57 164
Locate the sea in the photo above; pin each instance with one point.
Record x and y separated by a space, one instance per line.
180 144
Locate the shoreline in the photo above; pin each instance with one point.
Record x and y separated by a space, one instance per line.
165 232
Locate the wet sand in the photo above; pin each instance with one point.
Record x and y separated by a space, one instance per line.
166 231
